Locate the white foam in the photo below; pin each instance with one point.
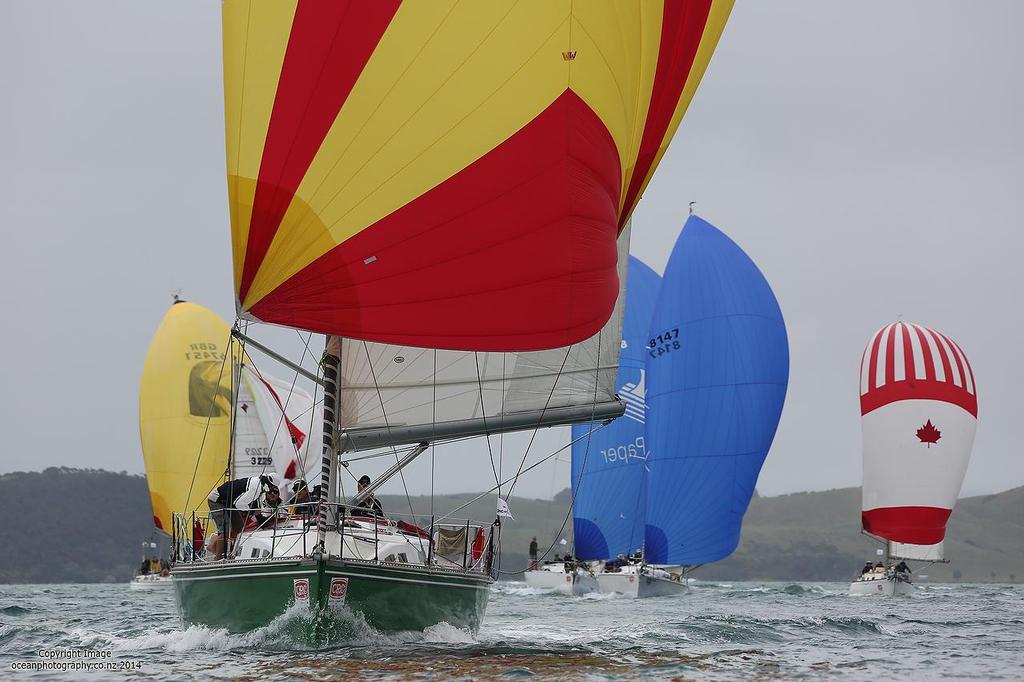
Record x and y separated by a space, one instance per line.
445 633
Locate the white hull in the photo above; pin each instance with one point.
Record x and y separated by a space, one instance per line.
573 584
884 587
639 586
150 582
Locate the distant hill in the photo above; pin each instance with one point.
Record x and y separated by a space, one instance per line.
816 536
74 525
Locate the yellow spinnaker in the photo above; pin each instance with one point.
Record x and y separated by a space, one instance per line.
185 410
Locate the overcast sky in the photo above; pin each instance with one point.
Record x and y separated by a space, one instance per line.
868 156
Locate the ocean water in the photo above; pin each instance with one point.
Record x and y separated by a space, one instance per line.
717 631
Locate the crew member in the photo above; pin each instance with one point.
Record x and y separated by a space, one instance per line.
371 505
301 502
258 495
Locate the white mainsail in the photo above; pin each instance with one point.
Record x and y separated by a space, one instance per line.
392 395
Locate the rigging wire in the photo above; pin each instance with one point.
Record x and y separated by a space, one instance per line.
593 429
300 459
209 418
533 436
501 433
316 388
387 425
483 415
573 489
433 443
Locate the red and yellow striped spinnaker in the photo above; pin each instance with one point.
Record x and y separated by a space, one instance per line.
448 174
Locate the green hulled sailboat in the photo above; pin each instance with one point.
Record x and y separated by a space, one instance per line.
443 191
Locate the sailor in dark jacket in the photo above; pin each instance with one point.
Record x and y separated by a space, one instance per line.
255 495
371 505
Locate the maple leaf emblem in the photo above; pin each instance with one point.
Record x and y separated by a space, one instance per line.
928 433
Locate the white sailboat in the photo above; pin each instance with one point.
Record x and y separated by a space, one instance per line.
706 373
919 409
564 577
149 575
639 580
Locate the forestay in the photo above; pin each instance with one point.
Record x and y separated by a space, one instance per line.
277 423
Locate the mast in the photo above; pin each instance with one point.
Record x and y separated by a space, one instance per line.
328 463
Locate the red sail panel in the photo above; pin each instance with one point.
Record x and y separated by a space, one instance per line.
681 31
461 265
915 525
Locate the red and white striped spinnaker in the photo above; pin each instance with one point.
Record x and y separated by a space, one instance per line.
919 411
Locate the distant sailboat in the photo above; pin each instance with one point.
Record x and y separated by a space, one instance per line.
717 368
919 412
185 399
608 463
151 574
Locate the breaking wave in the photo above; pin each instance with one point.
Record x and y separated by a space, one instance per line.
722 630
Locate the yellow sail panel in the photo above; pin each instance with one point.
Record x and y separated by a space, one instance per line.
615 48
185 410
417 116
255 38
646 160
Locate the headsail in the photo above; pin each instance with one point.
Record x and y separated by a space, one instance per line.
448 175
394 395
609 465
185 410
277 425
919 409
717 370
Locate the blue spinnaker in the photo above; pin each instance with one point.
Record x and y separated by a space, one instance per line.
717 368
608 507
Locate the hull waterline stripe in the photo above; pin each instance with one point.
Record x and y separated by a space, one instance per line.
279 574
289 573
407 580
